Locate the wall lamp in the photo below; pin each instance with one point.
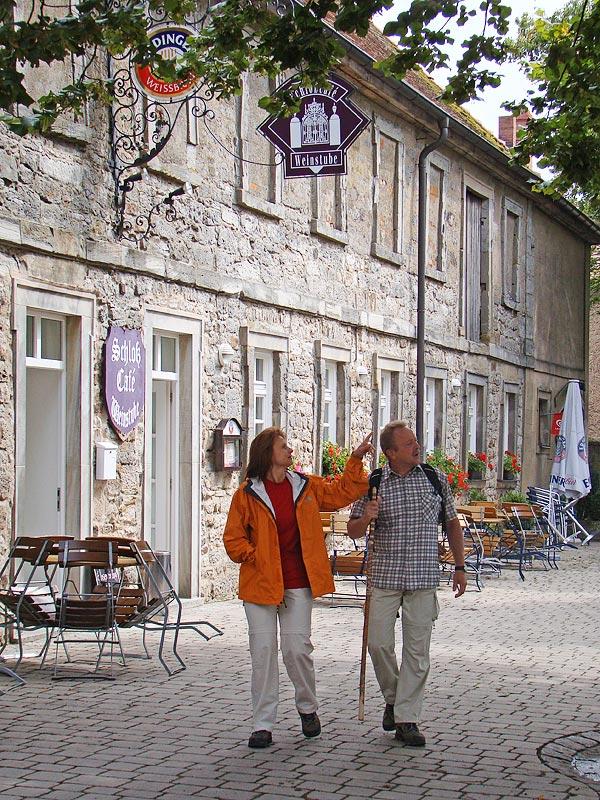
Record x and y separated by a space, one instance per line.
225 354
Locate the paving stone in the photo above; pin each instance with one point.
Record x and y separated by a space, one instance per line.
496 693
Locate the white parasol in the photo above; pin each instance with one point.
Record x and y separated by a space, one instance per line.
570 470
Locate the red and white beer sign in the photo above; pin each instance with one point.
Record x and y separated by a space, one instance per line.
556 423
171 42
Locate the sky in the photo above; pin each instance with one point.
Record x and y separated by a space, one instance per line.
514 85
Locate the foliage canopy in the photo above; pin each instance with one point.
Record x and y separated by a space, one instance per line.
559 52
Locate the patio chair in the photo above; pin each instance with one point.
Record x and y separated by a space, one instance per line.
348 561
147 602
27 593
473 553
81 612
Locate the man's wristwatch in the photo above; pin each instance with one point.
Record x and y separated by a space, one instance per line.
459 569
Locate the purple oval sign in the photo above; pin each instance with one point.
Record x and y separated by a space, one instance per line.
124 378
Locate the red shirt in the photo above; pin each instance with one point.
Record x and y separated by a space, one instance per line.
290 549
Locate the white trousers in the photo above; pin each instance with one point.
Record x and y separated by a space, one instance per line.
294 616
404 688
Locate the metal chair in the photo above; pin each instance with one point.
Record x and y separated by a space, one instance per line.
79 612
28 598
147 602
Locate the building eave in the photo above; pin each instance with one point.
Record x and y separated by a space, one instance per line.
576 219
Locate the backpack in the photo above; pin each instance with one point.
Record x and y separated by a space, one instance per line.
435 482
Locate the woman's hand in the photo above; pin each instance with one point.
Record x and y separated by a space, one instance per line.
364 448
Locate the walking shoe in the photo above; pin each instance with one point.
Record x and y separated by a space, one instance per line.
311 725
409 733
388 718
260 739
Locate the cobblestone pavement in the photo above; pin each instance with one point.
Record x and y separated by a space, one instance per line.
514 667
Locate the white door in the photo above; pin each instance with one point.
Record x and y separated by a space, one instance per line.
42 503
165 447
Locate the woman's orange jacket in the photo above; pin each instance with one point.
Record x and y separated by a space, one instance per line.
251 532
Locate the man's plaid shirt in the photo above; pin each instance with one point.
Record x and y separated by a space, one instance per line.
405 552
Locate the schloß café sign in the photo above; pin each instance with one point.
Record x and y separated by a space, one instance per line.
124 378
315 140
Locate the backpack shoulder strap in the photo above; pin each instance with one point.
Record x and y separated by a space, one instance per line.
435 482
433 479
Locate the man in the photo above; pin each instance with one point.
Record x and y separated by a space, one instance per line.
405 574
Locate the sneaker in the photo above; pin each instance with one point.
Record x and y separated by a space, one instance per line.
409 733
311 725
388 718
260 739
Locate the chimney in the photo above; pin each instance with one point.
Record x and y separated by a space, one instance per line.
509 126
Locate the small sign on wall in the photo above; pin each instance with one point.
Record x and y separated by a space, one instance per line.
124 378
556 423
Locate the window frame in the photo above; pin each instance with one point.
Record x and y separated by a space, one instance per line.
480 383
475 187
395 254
512 274
441 377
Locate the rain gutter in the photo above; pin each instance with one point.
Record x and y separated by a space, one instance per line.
421 254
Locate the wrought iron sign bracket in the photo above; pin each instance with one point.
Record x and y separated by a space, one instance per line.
142 120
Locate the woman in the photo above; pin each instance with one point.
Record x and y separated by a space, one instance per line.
274 531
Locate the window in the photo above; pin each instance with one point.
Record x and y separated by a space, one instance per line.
263 390
388 396
544 415
44 341
259 178
508 420
385 398
330 402
264 356
434 414
435 218
388 194
332 420
329 217
475 417
476 266
512 240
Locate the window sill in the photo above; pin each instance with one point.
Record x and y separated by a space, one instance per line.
506 484
511 303
319 228
385 254
246 199
439 275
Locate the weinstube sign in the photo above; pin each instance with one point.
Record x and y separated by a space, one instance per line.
315 140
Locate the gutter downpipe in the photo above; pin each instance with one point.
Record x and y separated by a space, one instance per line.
422 234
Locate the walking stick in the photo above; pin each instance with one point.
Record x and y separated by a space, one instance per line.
374 481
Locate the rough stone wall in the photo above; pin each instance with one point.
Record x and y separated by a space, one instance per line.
594 372
235 267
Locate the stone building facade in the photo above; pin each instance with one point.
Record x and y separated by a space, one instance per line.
272 302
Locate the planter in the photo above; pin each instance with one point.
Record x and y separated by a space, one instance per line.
475 475
509 475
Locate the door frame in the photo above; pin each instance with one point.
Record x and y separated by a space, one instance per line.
189 329
172 418
80 310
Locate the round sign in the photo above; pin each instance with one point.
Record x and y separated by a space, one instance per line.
170 42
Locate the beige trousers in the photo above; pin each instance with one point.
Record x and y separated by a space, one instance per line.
294 617
404 688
